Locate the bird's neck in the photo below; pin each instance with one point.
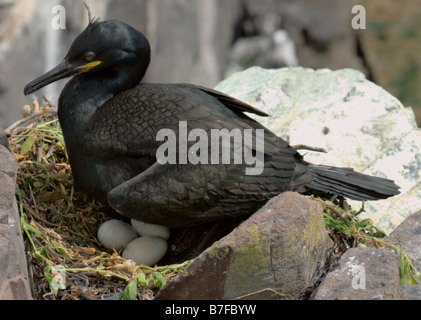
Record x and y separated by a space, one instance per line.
86 92
78 102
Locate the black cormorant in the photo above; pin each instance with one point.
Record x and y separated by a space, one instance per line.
110 122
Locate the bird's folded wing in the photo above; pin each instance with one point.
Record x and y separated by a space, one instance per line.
127 124
182 195
233 103
167 194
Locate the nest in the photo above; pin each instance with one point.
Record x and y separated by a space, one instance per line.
66 261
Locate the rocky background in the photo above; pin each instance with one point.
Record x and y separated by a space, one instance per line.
203 41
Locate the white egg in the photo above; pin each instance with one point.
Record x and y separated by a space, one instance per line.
115 233
147 250
149 229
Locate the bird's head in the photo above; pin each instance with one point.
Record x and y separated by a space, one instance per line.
103 48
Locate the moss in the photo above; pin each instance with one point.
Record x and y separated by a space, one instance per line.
250 264
314 234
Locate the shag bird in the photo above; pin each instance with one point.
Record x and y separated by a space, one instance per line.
110 122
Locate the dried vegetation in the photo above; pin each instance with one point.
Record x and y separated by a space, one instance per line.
66 261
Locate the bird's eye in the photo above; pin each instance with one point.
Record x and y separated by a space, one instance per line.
90 56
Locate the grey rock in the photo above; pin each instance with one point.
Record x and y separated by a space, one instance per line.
359 124
362 274
408 234
373 274
3 138
277 253
14 282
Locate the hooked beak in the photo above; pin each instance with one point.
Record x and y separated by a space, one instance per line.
63 70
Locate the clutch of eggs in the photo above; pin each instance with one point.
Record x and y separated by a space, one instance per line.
147 249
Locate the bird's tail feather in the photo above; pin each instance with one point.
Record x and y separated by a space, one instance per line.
350 184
